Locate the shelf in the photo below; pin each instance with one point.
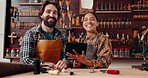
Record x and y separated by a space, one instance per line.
113 57
113 28
140 10
122 46
74 27
28 16
113 11
127 58
140 19
12 57
30 4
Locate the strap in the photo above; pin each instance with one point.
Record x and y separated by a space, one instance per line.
38 37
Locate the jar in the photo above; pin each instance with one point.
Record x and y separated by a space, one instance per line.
17 52
121 52
13 52
115 52
7 52
127 52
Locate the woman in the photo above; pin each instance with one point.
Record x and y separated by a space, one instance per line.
99 48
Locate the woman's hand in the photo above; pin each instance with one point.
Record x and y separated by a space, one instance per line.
76 64
77 57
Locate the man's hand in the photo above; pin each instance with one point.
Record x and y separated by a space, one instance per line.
61 65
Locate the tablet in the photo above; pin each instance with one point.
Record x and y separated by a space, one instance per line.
77 46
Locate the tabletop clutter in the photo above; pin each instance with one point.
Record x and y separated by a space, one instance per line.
52 71
55 71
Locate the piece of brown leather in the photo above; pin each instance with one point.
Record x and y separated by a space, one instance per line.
49 50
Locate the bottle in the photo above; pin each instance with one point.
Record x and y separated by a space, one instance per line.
112 23
17 52
115 52
13 52
121 52
73 37
102 6
119 23
127 52
8 52
123 41
128 40
108 23
104 23
36 63
69 36
118 39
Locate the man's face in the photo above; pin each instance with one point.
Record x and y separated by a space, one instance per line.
50 16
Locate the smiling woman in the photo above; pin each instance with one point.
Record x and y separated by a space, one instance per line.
99 48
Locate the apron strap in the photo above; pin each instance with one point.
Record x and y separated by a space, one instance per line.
38 37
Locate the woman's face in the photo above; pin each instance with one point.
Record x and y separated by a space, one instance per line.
90 22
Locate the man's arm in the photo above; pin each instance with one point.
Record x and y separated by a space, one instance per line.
27 50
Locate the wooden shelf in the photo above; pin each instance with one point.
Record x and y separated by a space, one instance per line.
12 57
140 10
28 16
127 58
113 57
113 11
30 4
74 27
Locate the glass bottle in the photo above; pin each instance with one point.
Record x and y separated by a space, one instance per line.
118 22
115 52
121 52
127 40
118 39
127 52
17 52
73 37
108 23
13 52
8 52
123 39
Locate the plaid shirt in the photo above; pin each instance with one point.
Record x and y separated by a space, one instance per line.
103 50
28 46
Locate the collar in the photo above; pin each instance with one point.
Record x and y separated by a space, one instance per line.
39 30
92 37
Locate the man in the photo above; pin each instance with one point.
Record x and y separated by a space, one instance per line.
44 41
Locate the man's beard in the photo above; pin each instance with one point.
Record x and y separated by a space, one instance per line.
50 24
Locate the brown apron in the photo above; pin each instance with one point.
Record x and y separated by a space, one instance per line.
49 50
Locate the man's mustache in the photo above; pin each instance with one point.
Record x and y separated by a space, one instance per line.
51 18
